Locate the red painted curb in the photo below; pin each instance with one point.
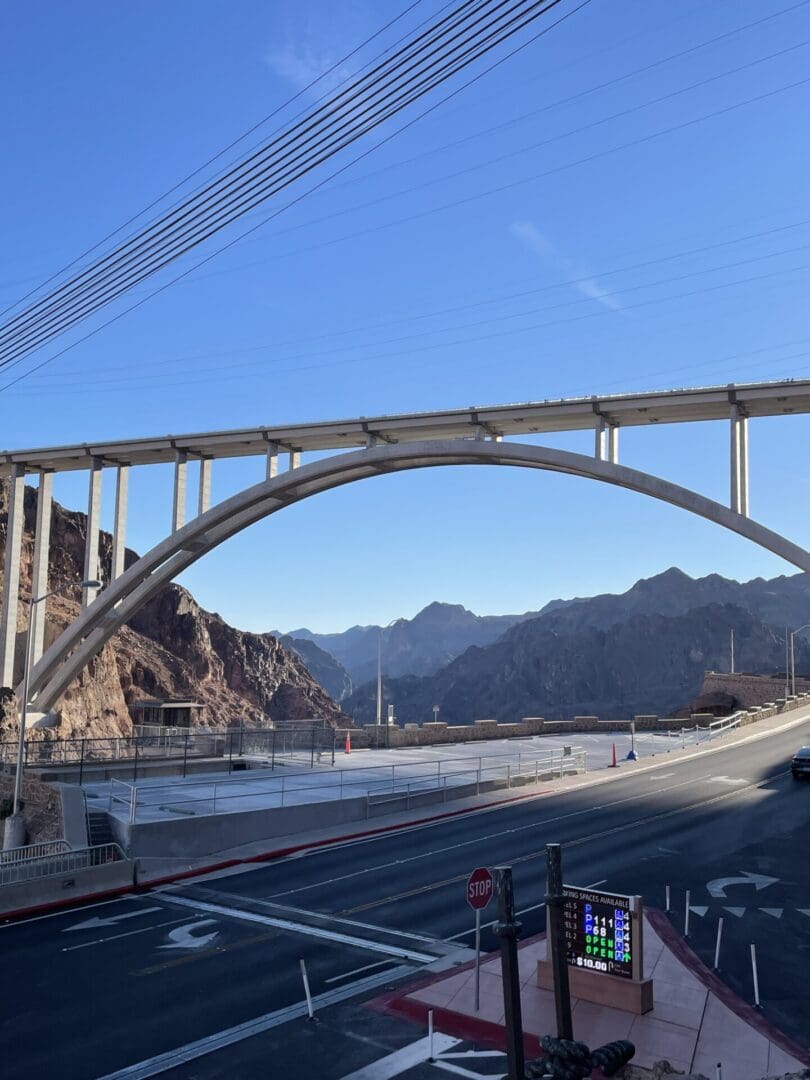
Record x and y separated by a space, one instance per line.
676 945
266 856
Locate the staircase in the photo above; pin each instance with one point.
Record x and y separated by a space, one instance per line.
98 828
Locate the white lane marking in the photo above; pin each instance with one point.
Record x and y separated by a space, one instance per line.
361 925
699 909
738 911
183 937
478 840
774 912
728 780
459 1071
357 971
717 887
10 923
416 1053
127 933
191 1051
112 920
804 911
486 925
300 928
594 884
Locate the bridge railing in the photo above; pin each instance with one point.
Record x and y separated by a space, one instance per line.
150 800
58 862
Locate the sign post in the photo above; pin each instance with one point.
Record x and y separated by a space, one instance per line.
480 888
555 905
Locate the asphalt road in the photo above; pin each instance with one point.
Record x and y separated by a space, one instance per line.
89 1000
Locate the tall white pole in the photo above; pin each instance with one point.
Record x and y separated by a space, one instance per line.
792 664
379 678
787 663
732 652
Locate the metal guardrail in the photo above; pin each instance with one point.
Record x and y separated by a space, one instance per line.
58 863
394 780
33 851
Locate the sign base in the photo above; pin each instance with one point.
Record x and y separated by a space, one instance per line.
629 995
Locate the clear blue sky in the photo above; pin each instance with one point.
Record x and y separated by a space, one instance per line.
598 155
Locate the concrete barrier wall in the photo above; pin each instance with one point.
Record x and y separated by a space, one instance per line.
65 887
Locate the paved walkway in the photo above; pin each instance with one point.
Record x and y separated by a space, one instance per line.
696 1022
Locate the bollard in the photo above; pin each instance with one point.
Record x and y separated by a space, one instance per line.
755 974
717 944
719 1070
686 914
430 1035
306 991
667 907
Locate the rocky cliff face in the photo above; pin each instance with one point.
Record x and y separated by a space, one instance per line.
641 664
172 649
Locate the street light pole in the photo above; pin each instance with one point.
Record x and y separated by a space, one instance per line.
379 677
793 633
14 833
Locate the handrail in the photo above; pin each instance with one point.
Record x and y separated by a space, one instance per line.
26 852
66 862
398 778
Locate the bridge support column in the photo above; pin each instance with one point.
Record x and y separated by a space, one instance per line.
11 581
613 444
120 521
39 572
204 493
272 461
93 526
600 428
739 461
179 500
295 458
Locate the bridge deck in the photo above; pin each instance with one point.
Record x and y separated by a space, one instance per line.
530 418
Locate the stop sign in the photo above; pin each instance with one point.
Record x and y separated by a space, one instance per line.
479 888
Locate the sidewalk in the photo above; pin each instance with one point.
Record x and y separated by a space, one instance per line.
696 1021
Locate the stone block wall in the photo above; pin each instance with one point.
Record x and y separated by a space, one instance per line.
42 808
750 690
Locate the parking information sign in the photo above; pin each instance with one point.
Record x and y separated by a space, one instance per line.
601 931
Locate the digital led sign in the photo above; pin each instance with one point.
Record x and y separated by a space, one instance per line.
601 932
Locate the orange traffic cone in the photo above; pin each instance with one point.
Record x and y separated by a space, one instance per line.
348 742
613 762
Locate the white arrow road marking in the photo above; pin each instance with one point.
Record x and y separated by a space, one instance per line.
183 937
774 912
804 911
698 909
403 1060
759 881
126 933
728 780
111 920
738 911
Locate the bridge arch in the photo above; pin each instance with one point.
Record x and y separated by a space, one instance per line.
116 604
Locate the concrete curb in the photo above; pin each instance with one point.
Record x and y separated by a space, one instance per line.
266 856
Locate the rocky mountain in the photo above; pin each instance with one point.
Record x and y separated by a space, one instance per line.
322 666
644 662
417 646
173 648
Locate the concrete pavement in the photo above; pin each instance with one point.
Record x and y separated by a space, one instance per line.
149 994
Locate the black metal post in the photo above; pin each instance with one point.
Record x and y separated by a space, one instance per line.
555 935
241 734
508 930
135 765
230 752
81 763
185 755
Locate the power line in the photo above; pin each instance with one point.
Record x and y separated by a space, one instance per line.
179 277
468 35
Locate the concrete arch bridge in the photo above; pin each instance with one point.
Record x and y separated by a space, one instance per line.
365 447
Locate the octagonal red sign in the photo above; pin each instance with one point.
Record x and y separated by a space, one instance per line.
480 887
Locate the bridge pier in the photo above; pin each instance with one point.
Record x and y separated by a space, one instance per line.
179 499
39 571
272 461
739 460
120 521
11 579
93 527
606 446
295 458
204 493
